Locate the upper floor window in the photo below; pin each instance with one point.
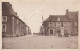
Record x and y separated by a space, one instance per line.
58 24
4 18
3 28
66 24
51 24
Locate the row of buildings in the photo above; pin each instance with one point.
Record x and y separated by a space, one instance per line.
12 25
61 25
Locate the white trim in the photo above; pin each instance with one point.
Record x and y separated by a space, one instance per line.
5 17
4 28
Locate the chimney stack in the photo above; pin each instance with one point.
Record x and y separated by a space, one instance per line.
67 11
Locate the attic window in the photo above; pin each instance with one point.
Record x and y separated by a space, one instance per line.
58 19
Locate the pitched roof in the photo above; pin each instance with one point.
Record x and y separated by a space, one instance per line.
55 18
73 15
7 9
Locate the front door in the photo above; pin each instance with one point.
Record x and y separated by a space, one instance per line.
51 32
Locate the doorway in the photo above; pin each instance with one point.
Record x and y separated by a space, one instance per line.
51 32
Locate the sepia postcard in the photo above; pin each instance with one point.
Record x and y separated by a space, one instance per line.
43 25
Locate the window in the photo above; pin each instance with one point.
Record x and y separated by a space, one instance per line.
58 31
66 24
51 24
58 24
4 18
3 28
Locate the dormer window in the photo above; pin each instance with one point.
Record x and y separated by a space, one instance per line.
58 19
4 18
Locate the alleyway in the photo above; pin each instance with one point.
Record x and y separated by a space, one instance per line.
40 42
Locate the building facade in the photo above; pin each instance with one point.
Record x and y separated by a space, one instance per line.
61 25
12 25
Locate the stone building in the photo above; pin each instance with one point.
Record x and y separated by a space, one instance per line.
61 25
12 25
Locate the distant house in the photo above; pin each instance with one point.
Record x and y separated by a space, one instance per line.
29 30
12 25
61 25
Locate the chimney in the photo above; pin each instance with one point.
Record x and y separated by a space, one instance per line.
67 11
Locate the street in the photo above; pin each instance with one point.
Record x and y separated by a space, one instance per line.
40 42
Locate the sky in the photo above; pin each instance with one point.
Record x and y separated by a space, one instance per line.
32 11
